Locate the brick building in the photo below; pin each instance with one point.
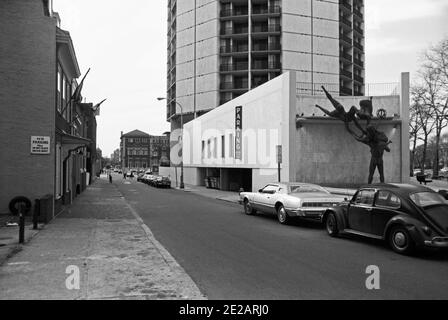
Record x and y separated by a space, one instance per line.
140 150
160 152
48 144
134 150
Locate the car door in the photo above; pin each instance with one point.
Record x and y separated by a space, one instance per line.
387 205
263 199
360 209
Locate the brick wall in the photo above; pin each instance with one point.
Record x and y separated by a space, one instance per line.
27 99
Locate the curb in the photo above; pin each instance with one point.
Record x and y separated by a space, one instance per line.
16 248
167 257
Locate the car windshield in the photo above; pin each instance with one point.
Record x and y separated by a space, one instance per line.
306 189
424 199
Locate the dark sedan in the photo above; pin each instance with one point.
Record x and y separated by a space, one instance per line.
406 216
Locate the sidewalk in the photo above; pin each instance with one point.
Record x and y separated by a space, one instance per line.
228 196
9 240
116 253
235 197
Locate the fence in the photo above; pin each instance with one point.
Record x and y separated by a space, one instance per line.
370 89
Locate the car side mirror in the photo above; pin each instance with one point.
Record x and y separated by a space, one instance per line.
260 191
444 193
345 199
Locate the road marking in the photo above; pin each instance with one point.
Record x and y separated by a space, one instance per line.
18 263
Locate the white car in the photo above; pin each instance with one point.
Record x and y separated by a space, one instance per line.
289 200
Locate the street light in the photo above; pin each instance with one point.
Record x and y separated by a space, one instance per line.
182 138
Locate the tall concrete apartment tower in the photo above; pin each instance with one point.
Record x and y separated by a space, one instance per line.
220 49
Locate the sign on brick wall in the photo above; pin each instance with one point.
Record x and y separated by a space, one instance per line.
40 145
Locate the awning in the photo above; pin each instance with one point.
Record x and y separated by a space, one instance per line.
73 142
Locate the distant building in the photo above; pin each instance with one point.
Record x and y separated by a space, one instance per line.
50 142
140 150
160 151
134 150
115 157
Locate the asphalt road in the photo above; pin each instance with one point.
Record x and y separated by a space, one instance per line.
233 256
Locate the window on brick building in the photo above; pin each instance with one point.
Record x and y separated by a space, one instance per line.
59 89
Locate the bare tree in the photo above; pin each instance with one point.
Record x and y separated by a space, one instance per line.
434 80
415 128
425 121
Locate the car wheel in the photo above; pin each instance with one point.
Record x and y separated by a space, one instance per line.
248 208
401 241
331 225
282 216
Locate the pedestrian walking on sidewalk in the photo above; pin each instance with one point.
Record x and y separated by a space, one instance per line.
110 177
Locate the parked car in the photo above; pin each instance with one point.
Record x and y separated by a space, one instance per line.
140 177
151 180
406 216
162 182
289 200
145 177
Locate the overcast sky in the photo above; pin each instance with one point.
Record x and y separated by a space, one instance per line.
124 44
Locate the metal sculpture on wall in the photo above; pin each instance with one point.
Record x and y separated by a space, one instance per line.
376 140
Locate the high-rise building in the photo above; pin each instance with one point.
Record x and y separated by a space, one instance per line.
220 49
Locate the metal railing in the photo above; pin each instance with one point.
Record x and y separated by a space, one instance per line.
346 73
346 22
233 13
231 31
234 86
358 45
370 89
237 66
359 62
346 39
346 5
266 10
358 78
234 49
347 56
358 12
358 29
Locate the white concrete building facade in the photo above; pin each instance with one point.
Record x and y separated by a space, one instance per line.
314 148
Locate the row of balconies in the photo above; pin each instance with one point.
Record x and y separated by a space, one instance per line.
255 47
255 29
238 12
244 66
349 58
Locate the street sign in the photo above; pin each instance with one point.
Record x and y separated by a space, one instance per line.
279 154
40 145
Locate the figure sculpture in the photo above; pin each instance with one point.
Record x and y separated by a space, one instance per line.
376 140
341 114
378 143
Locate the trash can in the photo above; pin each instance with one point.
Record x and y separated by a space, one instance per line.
46 209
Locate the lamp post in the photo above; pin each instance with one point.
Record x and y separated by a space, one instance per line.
182 138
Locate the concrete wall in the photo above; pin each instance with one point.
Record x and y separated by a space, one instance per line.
27 99
310 40
197 54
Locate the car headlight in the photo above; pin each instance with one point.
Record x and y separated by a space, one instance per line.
426 230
